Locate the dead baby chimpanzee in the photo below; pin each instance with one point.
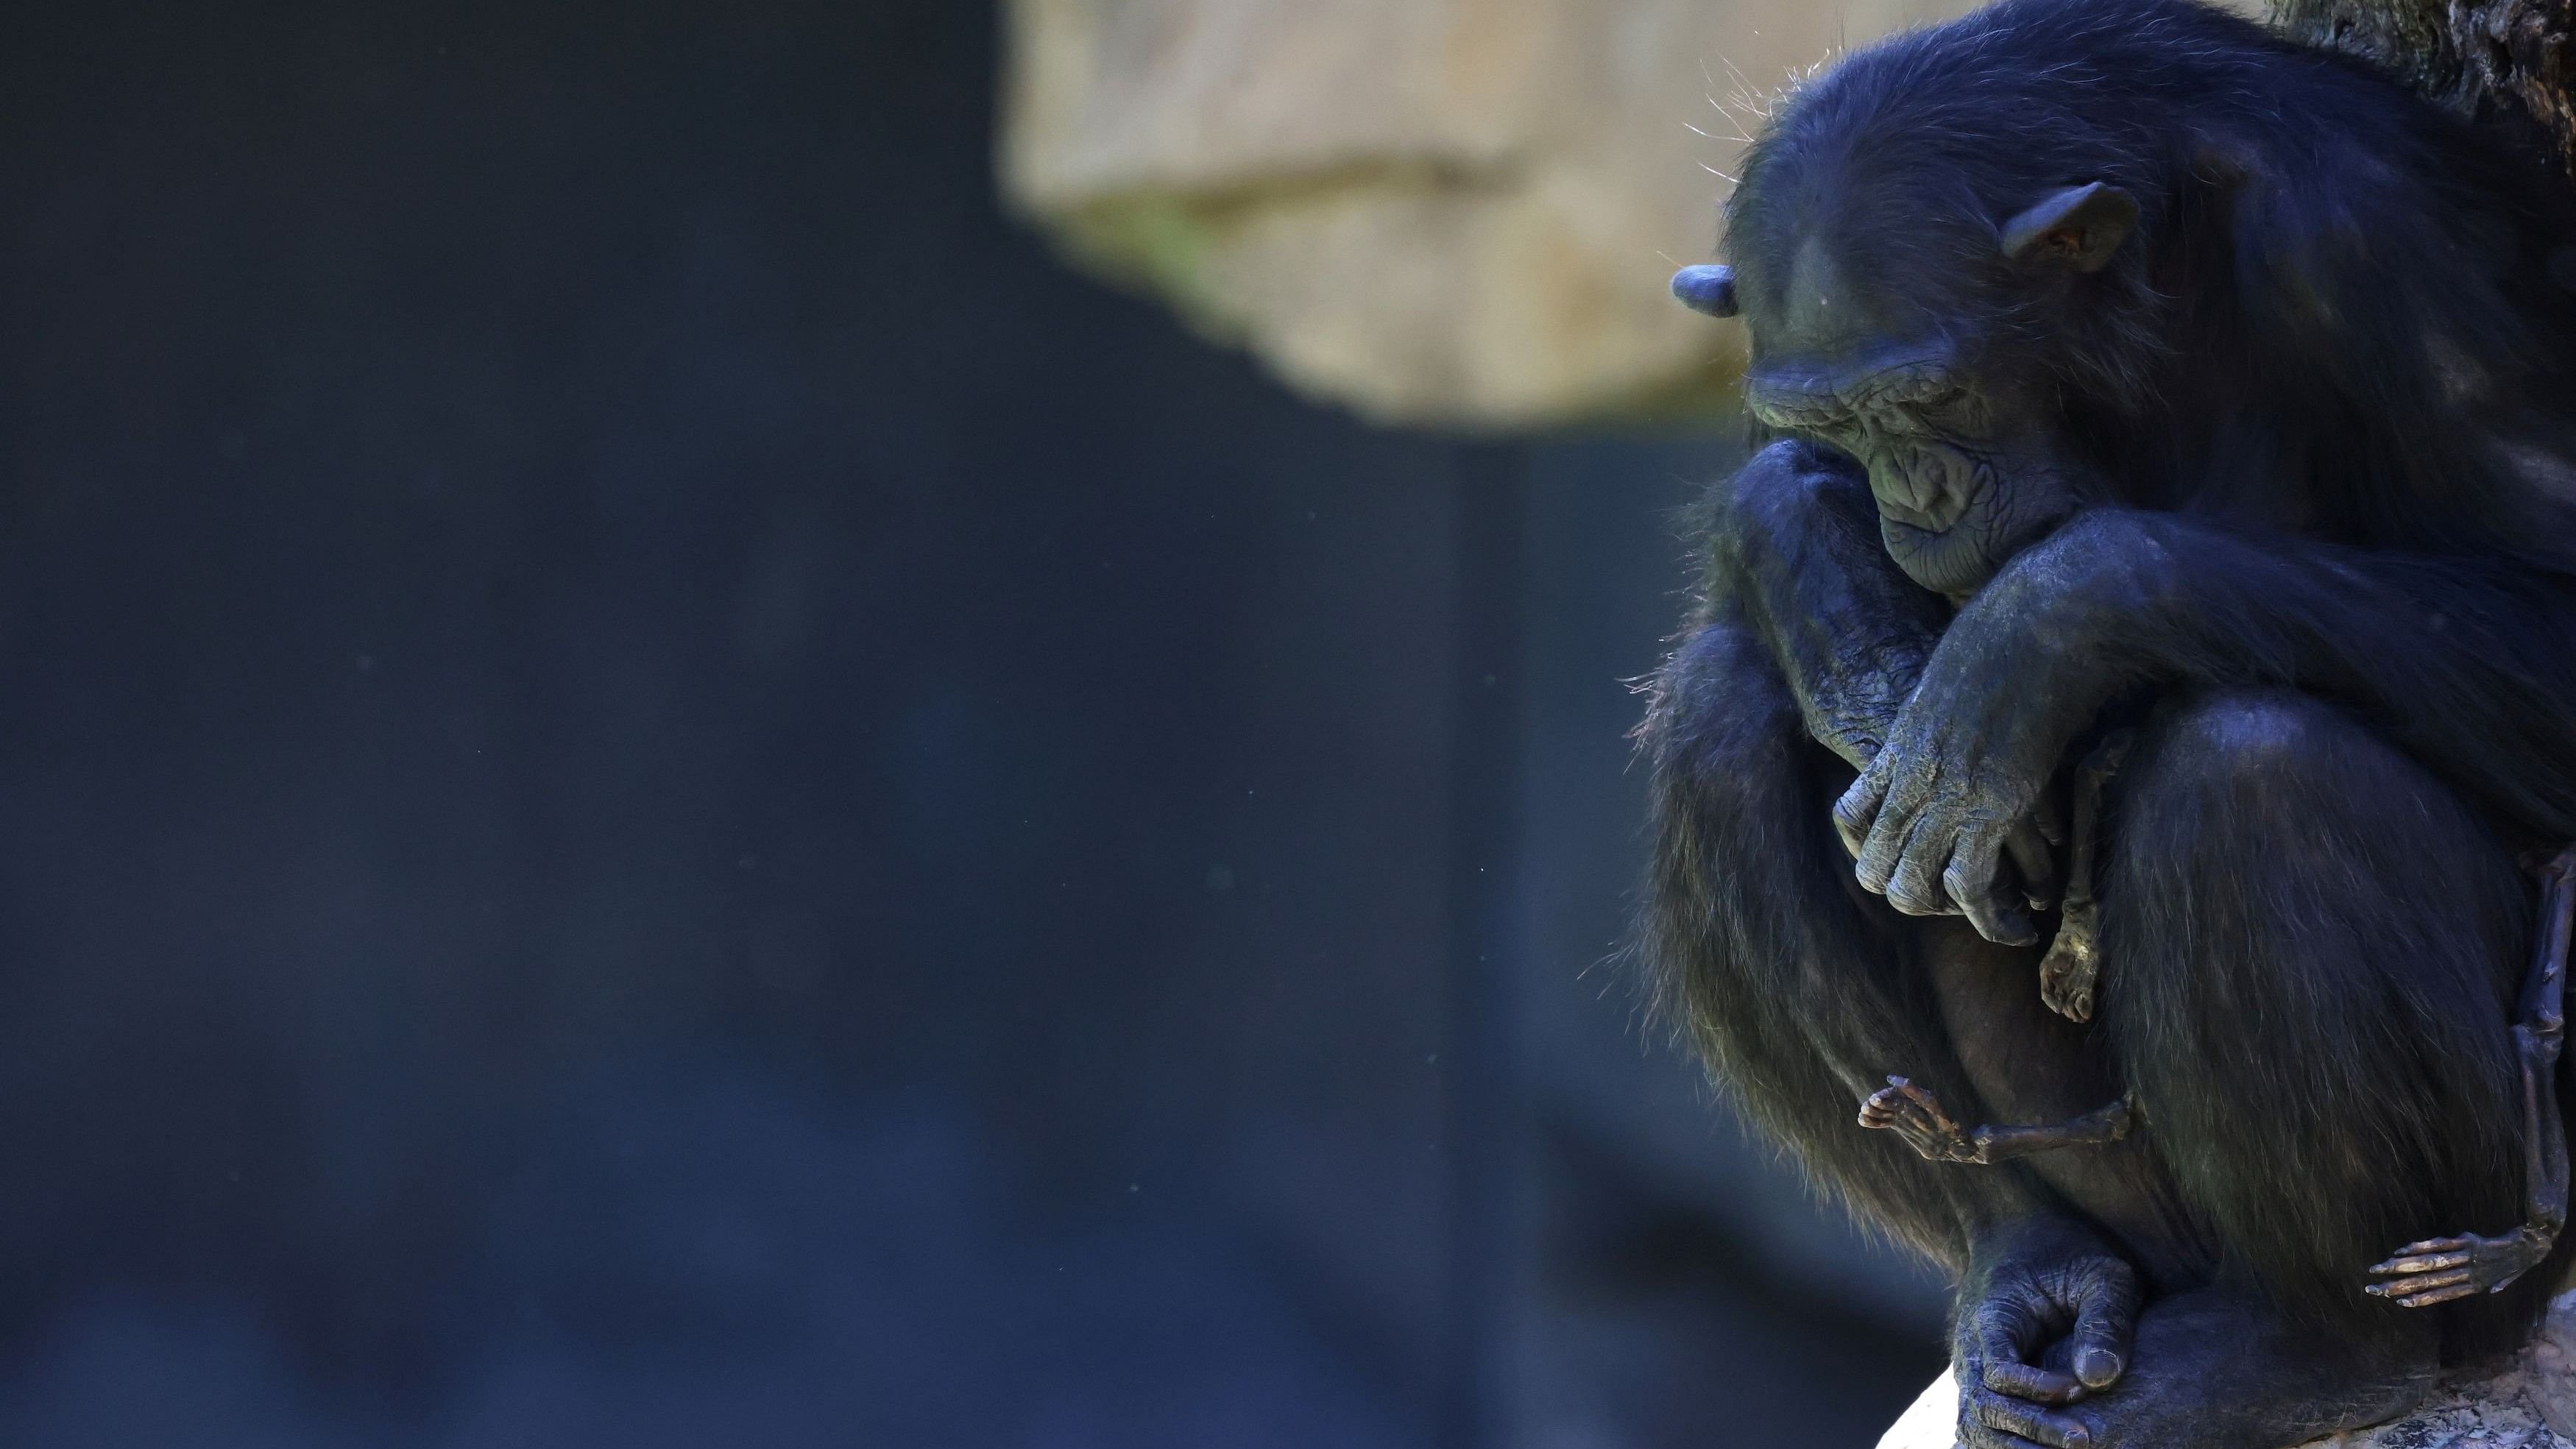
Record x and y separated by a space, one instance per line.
2135 370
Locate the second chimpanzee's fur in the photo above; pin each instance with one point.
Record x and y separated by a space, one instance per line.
2283 476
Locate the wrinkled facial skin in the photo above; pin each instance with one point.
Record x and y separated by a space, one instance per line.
1964 478
1866 339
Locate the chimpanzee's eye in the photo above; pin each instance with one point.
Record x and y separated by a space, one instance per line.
1952 411
1844 431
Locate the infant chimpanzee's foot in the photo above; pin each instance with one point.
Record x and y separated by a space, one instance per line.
2438 1270
1915 1115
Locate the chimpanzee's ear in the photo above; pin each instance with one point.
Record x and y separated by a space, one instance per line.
1707 289
2080 227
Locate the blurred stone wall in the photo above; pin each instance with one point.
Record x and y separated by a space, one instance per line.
1455 212
1448 211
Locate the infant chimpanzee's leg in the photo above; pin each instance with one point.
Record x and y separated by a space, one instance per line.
1915 1115
2440 1270
1797 987
2312 950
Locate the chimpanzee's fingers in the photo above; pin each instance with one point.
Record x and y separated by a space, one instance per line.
2409 1289
1879 1110
1888 1096
2432 1245
2429 1297
2008 1336
2106 1315
1914 887
1973 1432
1972 881
2030 1421
1921 1109
1881 850
1901 802
2036 862
2421 1257
1857 811
2031 1382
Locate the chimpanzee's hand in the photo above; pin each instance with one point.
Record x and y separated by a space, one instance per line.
1961 783
2043 1333
1937 812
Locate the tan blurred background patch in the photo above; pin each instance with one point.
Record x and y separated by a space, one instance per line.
1457 212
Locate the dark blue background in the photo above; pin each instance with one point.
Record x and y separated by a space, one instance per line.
663 790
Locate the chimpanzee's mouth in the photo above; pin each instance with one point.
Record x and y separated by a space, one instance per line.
1952 542
1940 518
1929 484
1951 561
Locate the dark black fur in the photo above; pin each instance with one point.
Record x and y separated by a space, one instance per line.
2316 428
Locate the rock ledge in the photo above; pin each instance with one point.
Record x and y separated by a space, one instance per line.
2530 1405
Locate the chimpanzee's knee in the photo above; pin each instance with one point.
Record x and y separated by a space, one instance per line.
2270 826
2231 750
2275 816
2310 948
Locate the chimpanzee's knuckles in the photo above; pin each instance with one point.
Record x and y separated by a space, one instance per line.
1971 868
1914 784
1973 1433
2107 1284
1978 1427
1854 814
1857 812
1914 883
1884 851
2022 1419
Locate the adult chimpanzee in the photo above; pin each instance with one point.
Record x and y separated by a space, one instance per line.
2132 368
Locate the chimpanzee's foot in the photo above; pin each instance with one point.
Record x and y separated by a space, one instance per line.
1915 1115
2070 972
2438 1270
2212 1371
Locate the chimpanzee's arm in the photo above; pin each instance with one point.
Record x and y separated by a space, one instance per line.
2468 665
1794 544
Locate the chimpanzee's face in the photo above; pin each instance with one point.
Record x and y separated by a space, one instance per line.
1958 453
1875 350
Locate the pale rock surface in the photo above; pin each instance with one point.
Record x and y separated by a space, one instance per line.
1445 211
2531 1404
1441 211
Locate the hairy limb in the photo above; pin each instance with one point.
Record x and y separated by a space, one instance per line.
1915 1115
2468 667
1797 989
2437 1270
2071 972
1794 551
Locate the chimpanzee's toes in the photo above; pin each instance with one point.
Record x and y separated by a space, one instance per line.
2436 1270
